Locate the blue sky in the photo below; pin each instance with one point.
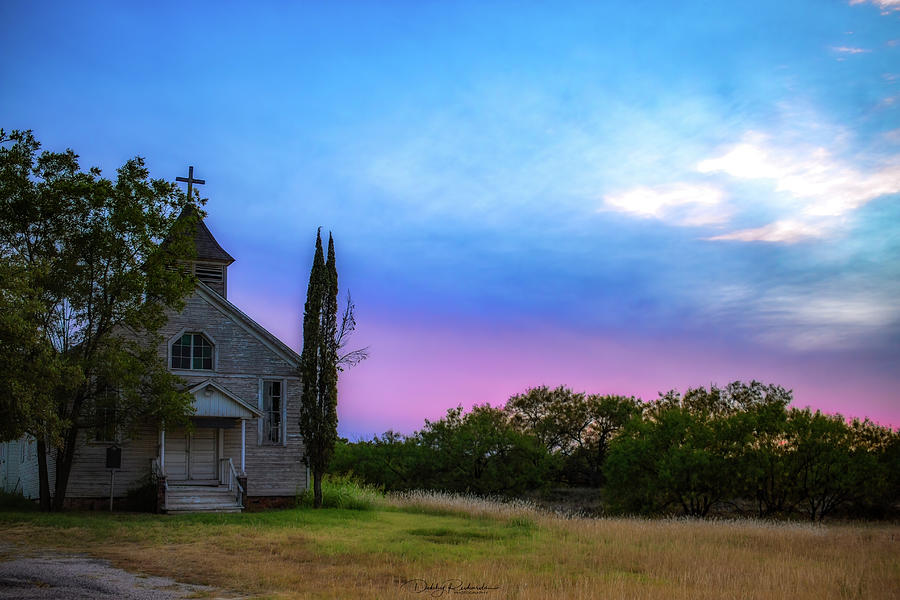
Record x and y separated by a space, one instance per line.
621 198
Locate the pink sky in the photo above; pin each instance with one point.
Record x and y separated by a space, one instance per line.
418 368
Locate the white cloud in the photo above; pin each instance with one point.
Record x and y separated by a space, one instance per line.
815 191
678 203
886 6
818 189
849 49
787 231
826 185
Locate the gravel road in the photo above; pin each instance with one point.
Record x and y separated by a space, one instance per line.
45 575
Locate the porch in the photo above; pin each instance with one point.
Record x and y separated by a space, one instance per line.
193 470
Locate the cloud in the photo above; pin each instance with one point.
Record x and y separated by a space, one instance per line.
886 6
682 204
825 185
814 192
830 316
806 321
849 50
787 231
817 188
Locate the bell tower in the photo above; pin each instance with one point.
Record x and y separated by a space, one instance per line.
210 263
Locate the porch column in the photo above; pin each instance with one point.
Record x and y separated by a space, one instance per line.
243 443
162 450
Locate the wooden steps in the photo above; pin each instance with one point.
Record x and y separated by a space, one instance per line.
186 498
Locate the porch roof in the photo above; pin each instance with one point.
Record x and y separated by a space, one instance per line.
213 400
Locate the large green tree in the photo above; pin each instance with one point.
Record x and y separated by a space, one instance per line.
574 427
86 285
479 452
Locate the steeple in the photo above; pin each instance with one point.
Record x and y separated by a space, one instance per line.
210 263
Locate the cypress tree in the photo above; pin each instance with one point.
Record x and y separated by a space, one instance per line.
318 366
310 419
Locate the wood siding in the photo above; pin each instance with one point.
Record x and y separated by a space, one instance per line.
19 467
90 477
216 404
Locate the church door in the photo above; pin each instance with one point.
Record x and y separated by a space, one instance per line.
202 462
192 457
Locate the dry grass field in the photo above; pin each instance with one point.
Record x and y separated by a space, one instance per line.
411 546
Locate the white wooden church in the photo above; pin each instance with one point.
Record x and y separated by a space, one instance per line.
244 448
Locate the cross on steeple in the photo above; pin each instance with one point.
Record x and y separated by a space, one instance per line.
190 181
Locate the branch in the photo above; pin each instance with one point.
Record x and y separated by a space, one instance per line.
353 358
348 325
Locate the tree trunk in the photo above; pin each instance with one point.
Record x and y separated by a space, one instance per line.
43 476
317 488
66 454
64 467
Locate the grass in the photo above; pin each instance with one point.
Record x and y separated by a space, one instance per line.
342 491
434 539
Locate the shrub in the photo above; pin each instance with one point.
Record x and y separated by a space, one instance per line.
142 497
15 501
343 491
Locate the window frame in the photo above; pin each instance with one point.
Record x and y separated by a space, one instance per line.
109 399
170 354
262 438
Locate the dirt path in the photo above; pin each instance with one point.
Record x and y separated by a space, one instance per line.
30 574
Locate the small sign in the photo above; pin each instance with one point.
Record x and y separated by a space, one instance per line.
113 457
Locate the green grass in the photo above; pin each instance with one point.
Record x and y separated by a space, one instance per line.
342 491
351 553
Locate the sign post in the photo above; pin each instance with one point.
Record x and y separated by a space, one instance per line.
113 462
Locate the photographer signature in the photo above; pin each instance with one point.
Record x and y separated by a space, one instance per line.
448 586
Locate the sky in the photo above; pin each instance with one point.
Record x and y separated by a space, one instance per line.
622 198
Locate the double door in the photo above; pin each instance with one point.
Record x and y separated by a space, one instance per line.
193 456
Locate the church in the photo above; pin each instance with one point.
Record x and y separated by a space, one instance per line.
244 448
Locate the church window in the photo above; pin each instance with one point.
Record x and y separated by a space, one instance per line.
192 351
105 423
272 407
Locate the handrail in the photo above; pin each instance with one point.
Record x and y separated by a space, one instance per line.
228 476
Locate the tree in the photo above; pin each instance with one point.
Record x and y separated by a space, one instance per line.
87 283
479 452
574 427
320 362
609 414
677 458
683 451
390 461
834 463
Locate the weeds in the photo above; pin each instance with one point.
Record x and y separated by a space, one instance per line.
343 491
15 501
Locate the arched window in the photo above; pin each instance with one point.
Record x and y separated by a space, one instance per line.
192 351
